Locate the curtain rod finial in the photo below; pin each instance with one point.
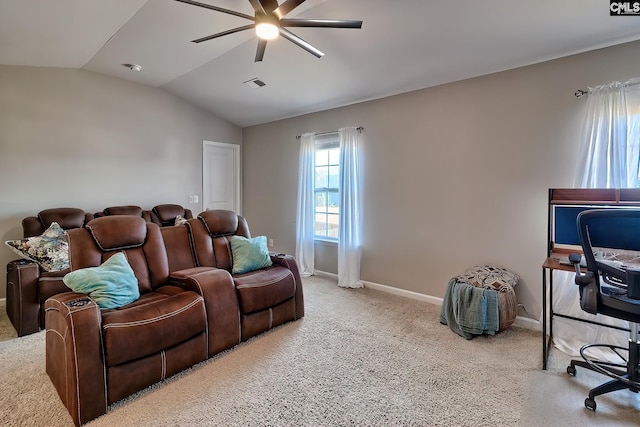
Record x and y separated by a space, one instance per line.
580 93
359 129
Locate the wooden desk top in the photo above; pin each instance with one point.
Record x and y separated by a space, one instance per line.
553 263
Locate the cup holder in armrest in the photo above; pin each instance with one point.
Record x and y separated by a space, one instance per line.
78 302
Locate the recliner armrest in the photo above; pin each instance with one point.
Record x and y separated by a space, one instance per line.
23 306
289 262
221 302
74 355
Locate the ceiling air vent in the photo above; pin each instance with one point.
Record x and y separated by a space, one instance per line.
255 83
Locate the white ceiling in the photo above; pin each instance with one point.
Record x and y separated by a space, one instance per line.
403 45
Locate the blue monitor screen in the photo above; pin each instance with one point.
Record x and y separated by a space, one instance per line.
565 224
613 230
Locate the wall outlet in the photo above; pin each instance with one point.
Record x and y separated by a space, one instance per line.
195 199
270 243
190 199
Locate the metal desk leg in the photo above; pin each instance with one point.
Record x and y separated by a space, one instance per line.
549 342
547 302
544 318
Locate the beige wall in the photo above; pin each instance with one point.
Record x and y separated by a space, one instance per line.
455 175
81 139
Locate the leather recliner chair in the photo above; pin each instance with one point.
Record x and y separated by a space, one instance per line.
267 297
28 286
95 356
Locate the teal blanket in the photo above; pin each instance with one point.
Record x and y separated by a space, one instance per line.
470 310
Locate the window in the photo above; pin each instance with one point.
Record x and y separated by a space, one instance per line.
610 154
327 188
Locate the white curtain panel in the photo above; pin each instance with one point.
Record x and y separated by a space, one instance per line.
633 126
305 215
350 227
609 155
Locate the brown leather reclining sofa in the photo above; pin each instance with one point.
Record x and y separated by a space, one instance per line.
28 286
190 307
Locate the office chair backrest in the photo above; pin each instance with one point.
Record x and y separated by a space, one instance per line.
608 230
610 239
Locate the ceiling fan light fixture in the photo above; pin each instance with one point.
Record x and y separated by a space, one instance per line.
267 27
269 23
267 31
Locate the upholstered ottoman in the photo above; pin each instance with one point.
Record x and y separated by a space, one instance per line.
503 281
480 301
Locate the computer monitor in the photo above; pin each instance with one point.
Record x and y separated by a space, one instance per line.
565 222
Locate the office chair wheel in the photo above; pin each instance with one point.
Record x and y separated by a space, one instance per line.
590 404
571 370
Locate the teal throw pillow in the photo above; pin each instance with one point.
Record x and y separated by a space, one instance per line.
50 250
111 285
249 254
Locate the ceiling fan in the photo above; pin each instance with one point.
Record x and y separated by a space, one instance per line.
269 22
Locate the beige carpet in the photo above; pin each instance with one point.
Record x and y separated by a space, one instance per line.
359 357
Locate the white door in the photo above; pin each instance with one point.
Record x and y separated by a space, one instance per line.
221 176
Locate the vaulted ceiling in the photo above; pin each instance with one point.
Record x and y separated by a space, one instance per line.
403 45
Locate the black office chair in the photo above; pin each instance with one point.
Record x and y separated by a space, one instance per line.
611 286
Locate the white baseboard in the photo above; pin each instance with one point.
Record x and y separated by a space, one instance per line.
520 321
326 274
404 293
527 323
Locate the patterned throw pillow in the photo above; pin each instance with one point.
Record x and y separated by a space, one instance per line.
249 254
50 250
111 285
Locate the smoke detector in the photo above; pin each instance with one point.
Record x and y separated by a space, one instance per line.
133 67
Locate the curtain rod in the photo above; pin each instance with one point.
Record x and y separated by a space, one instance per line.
359 129
581 92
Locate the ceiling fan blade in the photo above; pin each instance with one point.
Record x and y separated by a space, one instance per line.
217 9
287 7
269 5
324 23
298 41
224 33
257 6
262 45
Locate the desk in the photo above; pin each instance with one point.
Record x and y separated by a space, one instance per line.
549 265
562 229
